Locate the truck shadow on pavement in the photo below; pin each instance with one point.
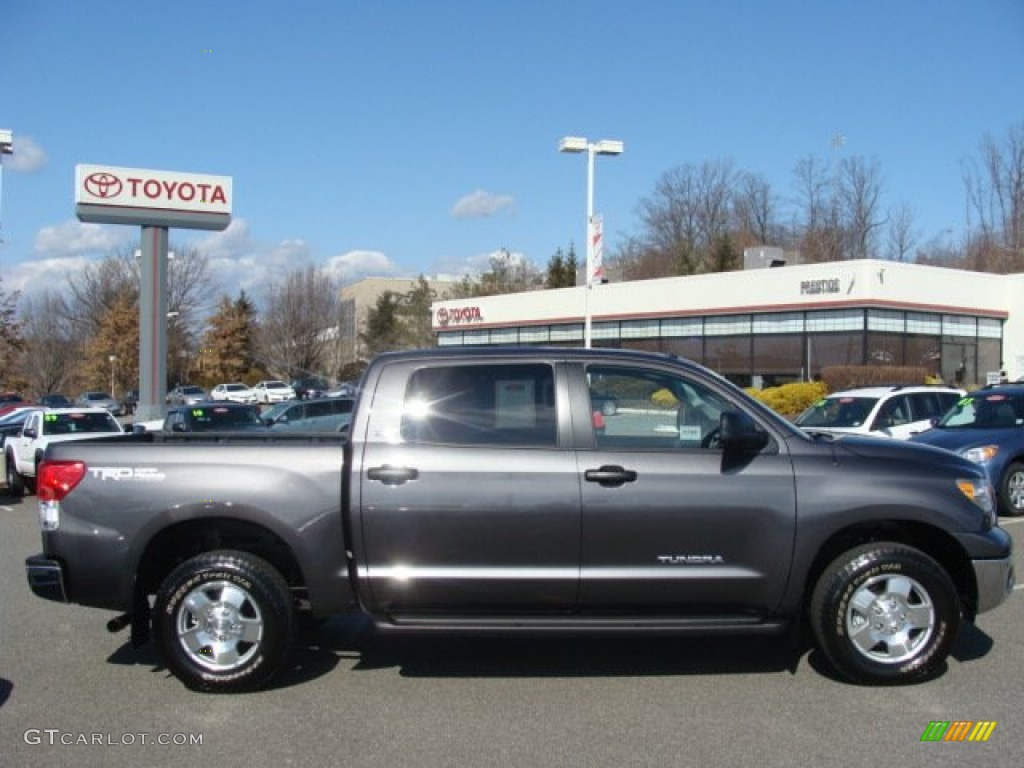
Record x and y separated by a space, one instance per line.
351 642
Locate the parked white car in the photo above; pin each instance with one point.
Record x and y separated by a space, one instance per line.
24 451
234 393
272 391
895 411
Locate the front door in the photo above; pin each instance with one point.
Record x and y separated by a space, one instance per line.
671 523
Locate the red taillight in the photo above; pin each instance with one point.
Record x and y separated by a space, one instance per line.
57 478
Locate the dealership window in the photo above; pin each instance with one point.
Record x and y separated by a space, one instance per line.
449 338
989 328
682 326
537 334
919 322
604 330
783 322
778 359
505 336
476 337
640 329
727 326
568 332
836 320
923 350
825 349
647 345
885 349
691 348
729 356
886 320
956 325
989 356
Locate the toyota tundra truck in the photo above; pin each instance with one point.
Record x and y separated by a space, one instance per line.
491 490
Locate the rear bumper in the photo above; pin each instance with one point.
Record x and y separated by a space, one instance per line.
46 578
995 580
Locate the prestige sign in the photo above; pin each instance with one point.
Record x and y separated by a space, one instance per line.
112 195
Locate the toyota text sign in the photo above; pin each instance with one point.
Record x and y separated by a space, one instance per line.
161 198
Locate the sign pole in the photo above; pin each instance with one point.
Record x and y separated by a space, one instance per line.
153 324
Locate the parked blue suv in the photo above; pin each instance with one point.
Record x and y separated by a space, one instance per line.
987 427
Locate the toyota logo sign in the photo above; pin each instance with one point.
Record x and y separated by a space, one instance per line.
103 185
458 316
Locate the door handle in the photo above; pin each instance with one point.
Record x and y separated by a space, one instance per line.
390 475
610 475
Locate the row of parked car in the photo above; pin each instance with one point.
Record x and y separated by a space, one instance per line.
264 392
985 426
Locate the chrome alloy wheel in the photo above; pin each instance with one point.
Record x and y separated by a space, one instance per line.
890 618
219 626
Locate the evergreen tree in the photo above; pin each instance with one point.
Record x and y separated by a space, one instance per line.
228 344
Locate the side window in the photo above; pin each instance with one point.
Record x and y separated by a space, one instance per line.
893 412
645 409
489 405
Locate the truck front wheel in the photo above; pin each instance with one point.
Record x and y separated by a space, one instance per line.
224 622
885 613
15 481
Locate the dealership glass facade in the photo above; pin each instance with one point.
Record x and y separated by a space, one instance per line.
774 348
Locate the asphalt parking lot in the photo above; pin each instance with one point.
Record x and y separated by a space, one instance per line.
73 694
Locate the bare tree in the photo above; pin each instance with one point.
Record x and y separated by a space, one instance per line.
995 200
902 236
300 314
52 348
860 187
756 211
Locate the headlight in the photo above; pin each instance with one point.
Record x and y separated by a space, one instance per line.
981 495
981 454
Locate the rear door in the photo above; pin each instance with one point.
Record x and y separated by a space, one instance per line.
468 498
671 523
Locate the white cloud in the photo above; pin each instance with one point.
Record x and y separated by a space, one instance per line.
73 238
27 157
477 264
351 266
481 204
33 277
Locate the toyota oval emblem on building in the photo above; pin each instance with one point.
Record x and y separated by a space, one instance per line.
442 316
103 185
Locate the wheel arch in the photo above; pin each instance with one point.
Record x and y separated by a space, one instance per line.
932 541
181 541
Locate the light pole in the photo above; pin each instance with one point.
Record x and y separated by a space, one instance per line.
576 144
113 362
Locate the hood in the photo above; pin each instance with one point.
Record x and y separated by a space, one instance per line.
954 439
887 449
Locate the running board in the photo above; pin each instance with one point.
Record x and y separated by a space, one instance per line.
569 625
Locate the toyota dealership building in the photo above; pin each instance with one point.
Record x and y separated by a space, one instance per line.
769 326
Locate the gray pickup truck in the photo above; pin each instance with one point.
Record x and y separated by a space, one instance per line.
525 490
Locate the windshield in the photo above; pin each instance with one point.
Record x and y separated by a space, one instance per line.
839 412
985 410
220 417
235 387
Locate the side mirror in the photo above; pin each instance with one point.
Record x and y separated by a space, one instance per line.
739 432
178 427
30 432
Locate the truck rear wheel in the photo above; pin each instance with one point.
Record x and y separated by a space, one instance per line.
224 622
885 613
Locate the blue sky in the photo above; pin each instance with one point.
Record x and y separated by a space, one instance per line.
387 137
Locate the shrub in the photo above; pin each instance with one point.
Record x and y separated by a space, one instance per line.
790 400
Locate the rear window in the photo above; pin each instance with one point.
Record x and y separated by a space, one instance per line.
838 412
75 423
487 405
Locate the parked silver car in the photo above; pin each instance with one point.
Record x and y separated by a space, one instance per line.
97 399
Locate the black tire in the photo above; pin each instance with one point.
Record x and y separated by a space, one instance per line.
1011 491
229 599
15 481
885 613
